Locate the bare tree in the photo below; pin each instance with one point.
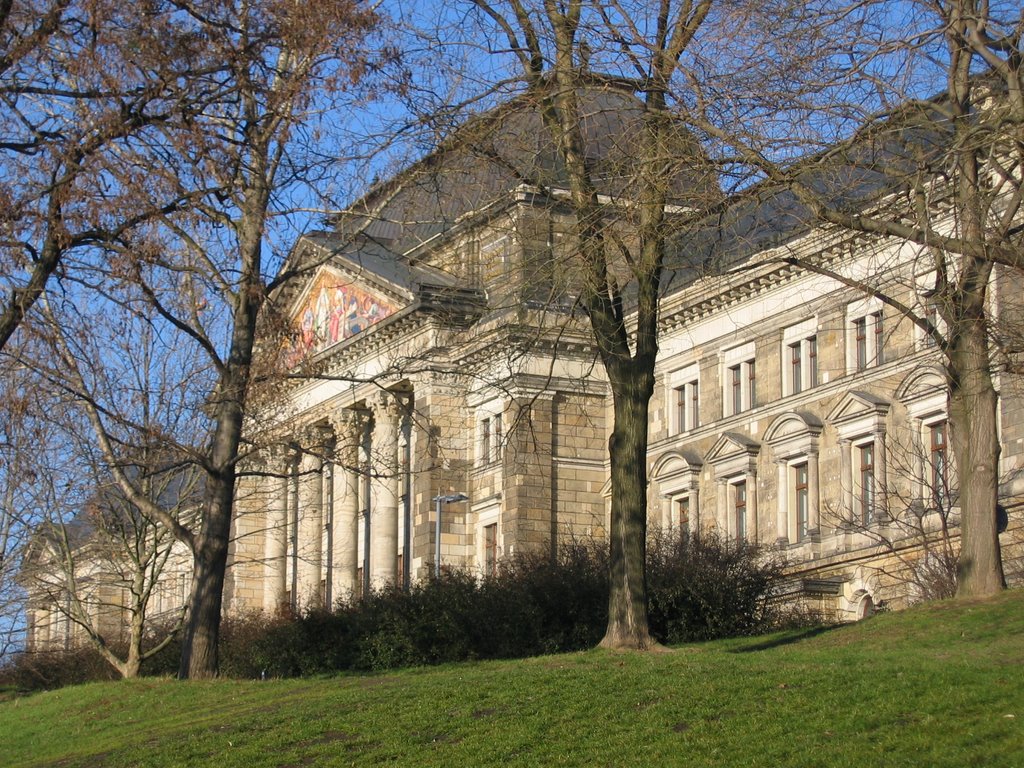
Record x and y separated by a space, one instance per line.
942 173
78 88
619 232
269 74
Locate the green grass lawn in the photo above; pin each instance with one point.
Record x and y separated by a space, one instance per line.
941 685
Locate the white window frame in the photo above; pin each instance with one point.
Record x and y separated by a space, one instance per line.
870 311
685 381
734 518
925 285
743 360
490 514
793 439
490 433
861 514
802 336
927 406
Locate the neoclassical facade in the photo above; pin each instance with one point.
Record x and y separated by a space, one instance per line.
441 403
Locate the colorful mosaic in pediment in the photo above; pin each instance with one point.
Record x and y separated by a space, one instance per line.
335 309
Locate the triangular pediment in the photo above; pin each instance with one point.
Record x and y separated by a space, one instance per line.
334 306
856 405
730 445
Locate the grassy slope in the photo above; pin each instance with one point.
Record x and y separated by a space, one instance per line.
939 685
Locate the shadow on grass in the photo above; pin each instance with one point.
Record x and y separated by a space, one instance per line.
788 638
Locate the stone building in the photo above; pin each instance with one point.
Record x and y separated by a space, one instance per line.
437 366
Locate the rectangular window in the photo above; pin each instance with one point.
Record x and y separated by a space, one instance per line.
867 482
738 377
740 508
491 549
860 340
876 319
485 441
796 371
736 388
740 387
498 436
800 358
812 361
687 406
751 385
802 500
867 345
938 463
683 513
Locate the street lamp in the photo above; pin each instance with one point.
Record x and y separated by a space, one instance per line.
439 500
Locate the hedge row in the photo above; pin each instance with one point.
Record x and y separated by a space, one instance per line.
699 589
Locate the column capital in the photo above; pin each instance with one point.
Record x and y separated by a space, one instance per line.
314 437
347 425
279 457
387 406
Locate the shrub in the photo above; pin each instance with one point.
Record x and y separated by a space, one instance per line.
46 670
699 589
704 587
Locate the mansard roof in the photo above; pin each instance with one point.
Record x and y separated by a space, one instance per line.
504 149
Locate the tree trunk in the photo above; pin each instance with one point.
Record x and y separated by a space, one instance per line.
199 658
199 655
627 448
973 406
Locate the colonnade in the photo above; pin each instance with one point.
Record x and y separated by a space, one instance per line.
338 473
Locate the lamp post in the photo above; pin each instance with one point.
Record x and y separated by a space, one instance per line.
439 500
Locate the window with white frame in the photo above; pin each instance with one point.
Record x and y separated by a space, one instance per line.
739 380
490 434
865 335
739 509
793 438
938 462
800 357
491 549
865 493
924 394
734 459
860 421
801 500
928 311
677 476
684 399
681 512
488 537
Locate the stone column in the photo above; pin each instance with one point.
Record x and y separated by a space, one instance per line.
385 492
782 505
348 430
311 522
275 585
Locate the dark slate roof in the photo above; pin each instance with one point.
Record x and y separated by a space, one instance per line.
496 152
